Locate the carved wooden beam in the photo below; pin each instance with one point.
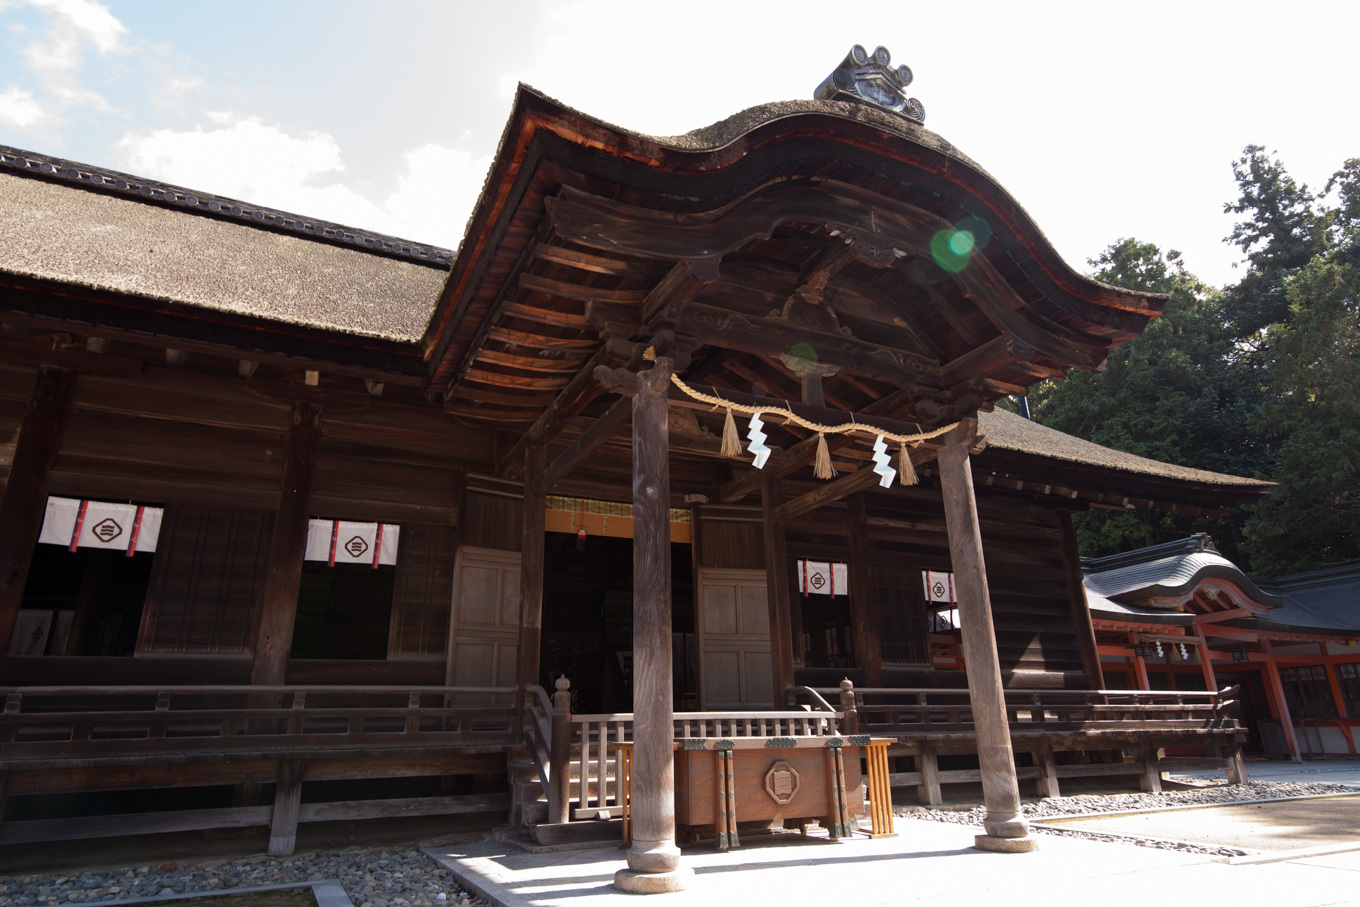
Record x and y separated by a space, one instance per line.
585 261
602 429
569 290
575 397
677 289
828 493
773 337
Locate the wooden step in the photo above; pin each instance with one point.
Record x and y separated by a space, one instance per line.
578 832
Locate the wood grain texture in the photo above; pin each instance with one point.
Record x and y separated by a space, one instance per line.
25 497
1000 788
283 573
653 815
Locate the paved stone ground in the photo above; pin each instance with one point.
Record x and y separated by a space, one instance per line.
1201 795
1273 826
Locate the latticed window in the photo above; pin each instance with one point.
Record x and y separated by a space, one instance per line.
1308 693
902 616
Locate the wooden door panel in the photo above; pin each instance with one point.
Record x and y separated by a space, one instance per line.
484 631
733 631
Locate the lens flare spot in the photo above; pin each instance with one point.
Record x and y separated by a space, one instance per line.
800 358
942 250
953 249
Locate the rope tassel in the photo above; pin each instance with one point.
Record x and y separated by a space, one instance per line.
731 444
822 468
905 469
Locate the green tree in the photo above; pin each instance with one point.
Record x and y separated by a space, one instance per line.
1313 412
1282 229
1169 395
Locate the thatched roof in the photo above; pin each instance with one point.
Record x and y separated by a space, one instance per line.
1007 431
61 230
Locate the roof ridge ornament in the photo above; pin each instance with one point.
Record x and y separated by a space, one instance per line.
872 80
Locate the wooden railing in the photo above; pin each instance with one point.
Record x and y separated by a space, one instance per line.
883 710
596 761
84 724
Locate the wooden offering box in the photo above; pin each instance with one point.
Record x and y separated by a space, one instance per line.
720 782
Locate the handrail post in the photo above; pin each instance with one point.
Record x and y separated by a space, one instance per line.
559 756
849 708
295 720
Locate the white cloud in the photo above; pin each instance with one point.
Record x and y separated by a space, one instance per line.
57 53
89 20
303 173
20 109
434 198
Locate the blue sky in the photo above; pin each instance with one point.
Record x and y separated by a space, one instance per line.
1103 120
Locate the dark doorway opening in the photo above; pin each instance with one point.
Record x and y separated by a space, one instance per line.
82 602
588 620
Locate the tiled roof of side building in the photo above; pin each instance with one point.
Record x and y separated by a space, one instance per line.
1324 598
105 231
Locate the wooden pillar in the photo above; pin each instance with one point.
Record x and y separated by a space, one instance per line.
530 577
25 498
283 574
1076 594
287 800
928 792
1206 667
1048 769
868 640
1140 673
777 591
1149 779
1335 684
653 857
559 779
1007 829
1272 672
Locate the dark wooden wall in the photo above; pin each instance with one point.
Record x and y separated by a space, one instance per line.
730 538
205 582
424 589
209 446
1036 634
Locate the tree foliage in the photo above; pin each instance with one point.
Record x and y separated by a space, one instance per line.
1261 379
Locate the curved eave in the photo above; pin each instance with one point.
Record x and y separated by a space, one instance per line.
542 134
1166 596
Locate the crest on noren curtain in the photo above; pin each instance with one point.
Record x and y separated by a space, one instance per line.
823 578
871 80
77 523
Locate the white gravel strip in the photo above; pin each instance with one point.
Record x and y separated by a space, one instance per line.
1086 804
383 877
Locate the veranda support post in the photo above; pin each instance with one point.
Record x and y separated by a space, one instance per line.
1006 827
653 857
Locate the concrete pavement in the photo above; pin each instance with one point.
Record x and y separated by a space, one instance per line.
931 864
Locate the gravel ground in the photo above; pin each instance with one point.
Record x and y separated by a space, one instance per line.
1202 795
385 877
403 877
